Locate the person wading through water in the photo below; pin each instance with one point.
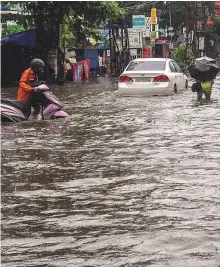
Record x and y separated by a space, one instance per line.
206 89
26 84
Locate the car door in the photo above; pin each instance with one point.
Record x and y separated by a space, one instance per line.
174 73
180 75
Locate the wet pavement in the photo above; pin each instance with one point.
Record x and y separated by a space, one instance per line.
125 181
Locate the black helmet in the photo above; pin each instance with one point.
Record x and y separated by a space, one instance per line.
36 63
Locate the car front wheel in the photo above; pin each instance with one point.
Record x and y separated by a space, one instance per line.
175 89
186 84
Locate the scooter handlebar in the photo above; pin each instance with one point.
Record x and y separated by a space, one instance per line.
40 88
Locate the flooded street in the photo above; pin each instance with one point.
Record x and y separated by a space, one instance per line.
125 181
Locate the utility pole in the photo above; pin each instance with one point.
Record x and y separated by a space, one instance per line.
171 37
200 27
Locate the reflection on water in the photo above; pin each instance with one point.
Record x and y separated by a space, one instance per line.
122 182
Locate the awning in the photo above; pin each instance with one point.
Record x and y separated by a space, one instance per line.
26 38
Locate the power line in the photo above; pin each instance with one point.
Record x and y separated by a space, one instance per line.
142 5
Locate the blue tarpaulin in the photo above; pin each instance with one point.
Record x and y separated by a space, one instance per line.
4 8
26 38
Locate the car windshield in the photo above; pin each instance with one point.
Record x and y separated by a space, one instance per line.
146 66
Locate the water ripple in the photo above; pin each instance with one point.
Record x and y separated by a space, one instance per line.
123 182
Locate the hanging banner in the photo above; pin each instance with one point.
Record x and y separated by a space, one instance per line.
81 71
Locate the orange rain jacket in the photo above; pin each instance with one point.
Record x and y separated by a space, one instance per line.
24 85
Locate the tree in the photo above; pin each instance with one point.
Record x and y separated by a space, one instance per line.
79 17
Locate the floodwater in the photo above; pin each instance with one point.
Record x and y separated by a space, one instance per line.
125 181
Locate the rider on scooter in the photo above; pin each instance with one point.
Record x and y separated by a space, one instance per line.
28 78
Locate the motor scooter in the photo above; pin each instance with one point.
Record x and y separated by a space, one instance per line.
16 111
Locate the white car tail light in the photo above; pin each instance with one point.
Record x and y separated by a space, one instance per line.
125 79
161 78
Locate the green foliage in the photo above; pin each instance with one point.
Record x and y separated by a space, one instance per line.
11 29
183 56
79 17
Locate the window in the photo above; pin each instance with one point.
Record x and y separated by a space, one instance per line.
172 67
176 66
146 66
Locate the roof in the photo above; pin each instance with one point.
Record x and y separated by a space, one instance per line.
151 59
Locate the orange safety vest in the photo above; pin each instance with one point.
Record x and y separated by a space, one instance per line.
24 85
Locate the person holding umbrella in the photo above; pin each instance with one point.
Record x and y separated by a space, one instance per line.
206 89
204 70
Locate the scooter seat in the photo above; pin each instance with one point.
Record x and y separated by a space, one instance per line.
22 105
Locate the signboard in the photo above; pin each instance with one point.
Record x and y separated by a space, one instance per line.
147 21
146 34
201 43
217 4
153 16
133 52
155 31
138 22
135 38
119 43
147 52
153 34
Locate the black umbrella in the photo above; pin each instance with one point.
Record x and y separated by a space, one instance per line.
205 60
203 69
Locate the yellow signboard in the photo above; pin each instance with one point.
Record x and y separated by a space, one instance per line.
153 16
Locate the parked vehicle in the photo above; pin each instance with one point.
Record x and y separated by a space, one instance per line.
16 111
152 76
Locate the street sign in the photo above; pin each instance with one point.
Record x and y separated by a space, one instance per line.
153 16
138 22
148 21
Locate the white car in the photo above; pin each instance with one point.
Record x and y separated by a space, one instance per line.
151 76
